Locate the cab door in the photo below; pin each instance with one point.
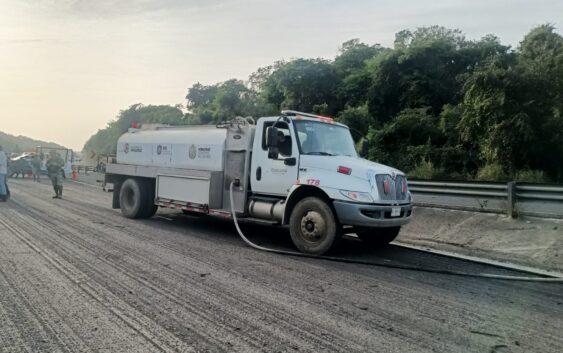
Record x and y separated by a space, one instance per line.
274 176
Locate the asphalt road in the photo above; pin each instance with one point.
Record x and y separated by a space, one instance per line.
75 276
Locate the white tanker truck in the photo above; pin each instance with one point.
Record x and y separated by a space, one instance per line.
296 169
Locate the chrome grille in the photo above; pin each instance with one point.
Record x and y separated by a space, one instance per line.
395 187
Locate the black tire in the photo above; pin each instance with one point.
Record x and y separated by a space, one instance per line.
313 227
378 236
134 199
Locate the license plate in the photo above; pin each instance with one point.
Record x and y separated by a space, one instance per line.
395 212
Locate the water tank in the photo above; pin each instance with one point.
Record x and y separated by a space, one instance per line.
199 148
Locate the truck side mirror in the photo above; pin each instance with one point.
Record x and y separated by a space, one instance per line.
273 153
364 149
271 136
272 142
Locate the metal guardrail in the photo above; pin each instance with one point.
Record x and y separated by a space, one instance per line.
539 200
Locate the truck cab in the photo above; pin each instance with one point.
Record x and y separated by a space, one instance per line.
302 156
297 170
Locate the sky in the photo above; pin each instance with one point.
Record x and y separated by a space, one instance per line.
67 67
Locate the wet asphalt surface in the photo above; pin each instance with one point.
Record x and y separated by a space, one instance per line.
75 276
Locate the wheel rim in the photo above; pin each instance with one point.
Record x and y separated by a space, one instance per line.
313 227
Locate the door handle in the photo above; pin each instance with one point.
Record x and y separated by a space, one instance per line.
258 173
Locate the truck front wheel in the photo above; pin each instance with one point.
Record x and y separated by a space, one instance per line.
135 199
312 226
378 236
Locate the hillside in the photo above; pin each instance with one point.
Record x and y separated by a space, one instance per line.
12 143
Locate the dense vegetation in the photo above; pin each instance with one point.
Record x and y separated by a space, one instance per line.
435 105
105 140
18 144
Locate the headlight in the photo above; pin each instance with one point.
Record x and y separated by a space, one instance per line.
357 196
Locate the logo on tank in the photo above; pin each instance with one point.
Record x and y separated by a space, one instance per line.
192 152
204 152
159 149
126 148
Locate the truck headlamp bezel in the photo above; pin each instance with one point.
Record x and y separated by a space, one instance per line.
357 196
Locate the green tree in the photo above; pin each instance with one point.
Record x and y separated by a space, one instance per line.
541 52
508 115
423 36
232 99
511 111
200 95
223 101
105 140
161 114
353 55
301 84
351 67
424 70
406 140
356 118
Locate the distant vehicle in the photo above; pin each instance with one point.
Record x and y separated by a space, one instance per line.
295 169
20 165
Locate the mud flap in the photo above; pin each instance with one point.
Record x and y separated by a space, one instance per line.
115 196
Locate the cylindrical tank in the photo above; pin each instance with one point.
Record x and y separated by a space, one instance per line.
270 210
200 148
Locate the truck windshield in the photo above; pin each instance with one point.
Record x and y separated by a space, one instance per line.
319 138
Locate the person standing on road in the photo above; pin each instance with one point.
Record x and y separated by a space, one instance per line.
55 165
36 168
3 173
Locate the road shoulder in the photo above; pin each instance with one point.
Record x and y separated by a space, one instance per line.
533 242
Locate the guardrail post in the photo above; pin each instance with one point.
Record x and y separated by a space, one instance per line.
511 202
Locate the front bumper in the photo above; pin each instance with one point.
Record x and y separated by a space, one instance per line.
369 215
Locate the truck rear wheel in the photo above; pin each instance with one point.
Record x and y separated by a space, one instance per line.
378 236
312 226
135 199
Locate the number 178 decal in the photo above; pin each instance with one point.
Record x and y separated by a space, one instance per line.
315 182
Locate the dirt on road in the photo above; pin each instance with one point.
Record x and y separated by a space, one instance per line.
75 276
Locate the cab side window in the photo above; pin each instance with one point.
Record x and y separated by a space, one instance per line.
284 138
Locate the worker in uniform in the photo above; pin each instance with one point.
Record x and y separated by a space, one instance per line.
55 165
36 168
3 173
